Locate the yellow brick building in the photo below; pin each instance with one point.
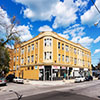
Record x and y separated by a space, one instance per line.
48 56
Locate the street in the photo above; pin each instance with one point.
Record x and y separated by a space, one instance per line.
72 91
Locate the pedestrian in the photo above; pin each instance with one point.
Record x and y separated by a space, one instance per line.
64 77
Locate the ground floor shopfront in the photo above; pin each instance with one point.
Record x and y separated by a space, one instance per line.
50 72
57 72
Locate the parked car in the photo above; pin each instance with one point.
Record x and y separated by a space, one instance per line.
3 81
10 77
99 77
88 78
79 79
18 80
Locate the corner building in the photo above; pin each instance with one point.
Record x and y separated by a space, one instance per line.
48 56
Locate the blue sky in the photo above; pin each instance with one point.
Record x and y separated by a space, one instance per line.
72 19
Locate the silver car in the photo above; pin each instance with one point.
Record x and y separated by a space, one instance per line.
3 81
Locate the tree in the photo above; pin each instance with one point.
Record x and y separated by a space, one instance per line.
9 36
93 68
4 60
98 66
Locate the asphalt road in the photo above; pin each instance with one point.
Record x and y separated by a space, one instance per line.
58 95
72 91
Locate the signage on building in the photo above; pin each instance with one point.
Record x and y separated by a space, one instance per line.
85 69
55 67
63 67
76 69
35 67
41 67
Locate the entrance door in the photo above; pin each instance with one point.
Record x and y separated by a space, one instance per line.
47 72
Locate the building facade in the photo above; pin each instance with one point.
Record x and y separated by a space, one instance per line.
48 56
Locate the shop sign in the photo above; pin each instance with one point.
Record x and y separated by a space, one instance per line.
55 67
85 69
35 67
76 69
63 67
41 67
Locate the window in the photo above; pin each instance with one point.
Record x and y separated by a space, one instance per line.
28 59
75 61
28 48
36 57
67 48
47 55
50 55
28 68
75 50
58 45
14 58
62 57
36 45
47 42
17 50
17 67
62 46
32 46
58 57
82 53
22 60
13 67
22 51
67 59
50 42
32 68
78 52
32 58
17 58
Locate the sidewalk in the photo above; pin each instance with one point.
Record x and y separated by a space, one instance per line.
49 83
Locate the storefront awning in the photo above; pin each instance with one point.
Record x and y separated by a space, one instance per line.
55 67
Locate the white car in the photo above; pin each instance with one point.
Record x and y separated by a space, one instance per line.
18 80
80 79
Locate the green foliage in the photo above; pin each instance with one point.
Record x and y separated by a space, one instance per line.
4 60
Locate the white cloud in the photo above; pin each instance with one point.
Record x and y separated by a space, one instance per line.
91 16
45 28
96 51
5 20
24 32
85 41
38 9
64 12
81 3
97 39
65 36
76 39
75 30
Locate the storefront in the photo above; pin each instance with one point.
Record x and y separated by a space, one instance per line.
41 73
63 70
55 72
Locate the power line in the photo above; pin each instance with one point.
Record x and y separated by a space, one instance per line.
95 6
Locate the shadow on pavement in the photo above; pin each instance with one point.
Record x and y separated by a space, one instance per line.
57 95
